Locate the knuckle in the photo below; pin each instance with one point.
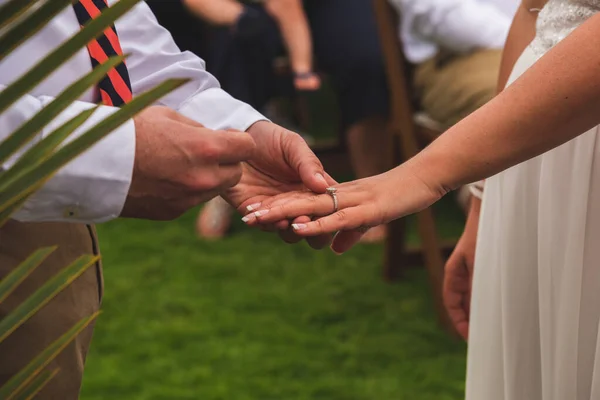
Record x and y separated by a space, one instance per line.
202 183
341 215
207 149
234 177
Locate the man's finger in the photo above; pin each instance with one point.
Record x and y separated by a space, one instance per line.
229 147
289 236
319 242
302 159
344 241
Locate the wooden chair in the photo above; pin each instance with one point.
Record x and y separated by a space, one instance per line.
411 131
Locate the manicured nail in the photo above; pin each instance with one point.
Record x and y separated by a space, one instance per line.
253 207
299 227
321 177
261 213
247 218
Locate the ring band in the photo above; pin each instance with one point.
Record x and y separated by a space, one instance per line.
333 193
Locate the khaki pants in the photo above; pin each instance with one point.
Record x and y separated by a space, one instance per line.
450 88
79 300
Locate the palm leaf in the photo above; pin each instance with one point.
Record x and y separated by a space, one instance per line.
30 128
50 63
41 150
36 385
44 170
18 275
8 212
18 382
30 25
13 9
23 312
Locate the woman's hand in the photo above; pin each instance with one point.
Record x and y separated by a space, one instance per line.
362 204
458 277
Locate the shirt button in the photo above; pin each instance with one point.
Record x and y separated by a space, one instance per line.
71 212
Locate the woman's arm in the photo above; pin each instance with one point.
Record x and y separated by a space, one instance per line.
522 32
554 101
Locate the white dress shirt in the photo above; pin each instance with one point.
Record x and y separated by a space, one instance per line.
459 26
93 187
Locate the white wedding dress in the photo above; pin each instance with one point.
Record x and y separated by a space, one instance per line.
535 313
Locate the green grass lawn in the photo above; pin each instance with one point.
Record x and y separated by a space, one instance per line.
252 318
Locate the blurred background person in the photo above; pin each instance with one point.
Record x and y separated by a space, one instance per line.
456 47
290 18
241 41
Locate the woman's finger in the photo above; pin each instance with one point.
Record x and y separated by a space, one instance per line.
309 204
455 292
344 220
253 211
320 242
288 235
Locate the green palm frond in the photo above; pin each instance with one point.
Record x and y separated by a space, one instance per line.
22 313
29 26
19 21
20 382
64 52
13 10
29 129
19 274
36 385
24 184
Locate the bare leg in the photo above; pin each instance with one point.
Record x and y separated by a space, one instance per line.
370 152
217 12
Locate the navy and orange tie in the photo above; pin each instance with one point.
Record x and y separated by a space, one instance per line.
115 87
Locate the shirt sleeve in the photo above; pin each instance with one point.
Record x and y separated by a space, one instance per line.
154 57
92 187
456 25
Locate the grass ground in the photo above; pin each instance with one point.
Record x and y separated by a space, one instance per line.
250 318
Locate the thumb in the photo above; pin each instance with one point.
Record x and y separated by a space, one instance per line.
306 164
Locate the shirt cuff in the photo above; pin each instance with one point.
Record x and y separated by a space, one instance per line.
216 109
93 187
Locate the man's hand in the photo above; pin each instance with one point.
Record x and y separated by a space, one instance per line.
282 162
458 278
180 164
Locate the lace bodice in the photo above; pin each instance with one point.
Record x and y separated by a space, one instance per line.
558 19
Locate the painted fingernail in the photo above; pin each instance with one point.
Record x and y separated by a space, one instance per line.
253 207
320 177
299 227
261 213
247 218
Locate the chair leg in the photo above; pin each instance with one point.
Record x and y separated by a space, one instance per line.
434 263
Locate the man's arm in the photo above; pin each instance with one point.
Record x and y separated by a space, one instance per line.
103 173
154 57
455 25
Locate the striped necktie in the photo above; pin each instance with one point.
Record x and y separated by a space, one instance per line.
115 87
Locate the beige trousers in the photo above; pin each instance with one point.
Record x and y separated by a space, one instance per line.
79 300
450 88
